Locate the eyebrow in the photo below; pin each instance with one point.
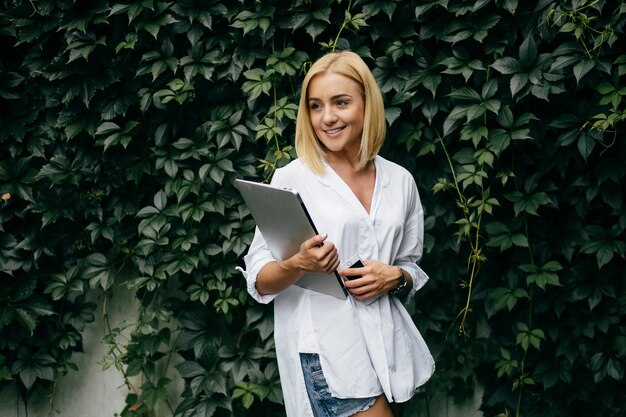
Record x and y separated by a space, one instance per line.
335 97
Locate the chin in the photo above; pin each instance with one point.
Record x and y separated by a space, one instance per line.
334 148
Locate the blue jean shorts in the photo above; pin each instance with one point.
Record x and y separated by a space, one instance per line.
322 403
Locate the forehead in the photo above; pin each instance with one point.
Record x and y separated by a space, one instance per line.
330 84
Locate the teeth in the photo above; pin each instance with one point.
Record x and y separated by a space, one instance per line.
330 132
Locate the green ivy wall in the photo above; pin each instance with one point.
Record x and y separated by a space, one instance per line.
123 126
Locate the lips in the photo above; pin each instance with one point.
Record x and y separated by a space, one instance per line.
334 131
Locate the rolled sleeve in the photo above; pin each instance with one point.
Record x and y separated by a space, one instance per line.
419 277
412 244
258 256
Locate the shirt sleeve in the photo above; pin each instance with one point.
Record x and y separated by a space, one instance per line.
412 244
257 257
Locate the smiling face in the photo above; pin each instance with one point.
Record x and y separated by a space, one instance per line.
336 110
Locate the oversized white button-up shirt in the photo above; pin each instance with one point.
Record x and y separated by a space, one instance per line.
364 349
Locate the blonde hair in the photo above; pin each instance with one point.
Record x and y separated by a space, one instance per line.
349 64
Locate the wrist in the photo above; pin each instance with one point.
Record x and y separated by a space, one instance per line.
402 284
293 266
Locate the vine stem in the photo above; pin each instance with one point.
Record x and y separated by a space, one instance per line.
475 255
530 320
456 182
35 11
167 365
107 325
343 26
274 93
474 259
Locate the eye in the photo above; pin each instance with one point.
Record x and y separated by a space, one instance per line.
314 106
342 103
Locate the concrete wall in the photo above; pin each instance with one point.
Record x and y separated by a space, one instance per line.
445 407
93 392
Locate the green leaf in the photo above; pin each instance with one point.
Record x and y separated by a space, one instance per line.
518 82
33 366
528 203
98 271
529 337
507 65
5 374
151 394
545 275
582 68
503 237
259 82
507 297
247 391
603 243
528 52
391 114
160 200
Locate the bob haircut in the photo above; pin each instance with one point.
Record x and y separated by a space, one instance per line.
349 64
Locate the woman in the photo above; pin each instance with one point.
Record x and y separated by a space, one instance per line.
346 357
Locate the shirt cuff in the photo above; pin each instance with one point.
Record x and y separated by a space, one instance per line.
251 287
419 278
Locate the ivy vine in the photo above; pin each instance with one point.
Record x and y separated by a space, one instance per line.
125 124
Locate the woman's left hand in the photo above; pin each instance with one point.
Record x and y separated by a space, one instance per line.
376 278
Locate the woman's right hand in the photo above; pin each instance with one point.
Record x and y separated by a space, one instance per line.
317 255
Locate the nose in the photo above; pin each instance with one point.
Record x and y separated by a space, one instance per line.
329 117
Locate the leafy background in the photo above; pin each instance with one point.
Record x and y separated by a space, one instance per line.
124 125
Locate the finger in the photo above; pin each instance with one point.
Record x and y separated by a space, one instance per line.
335 264
327 250
351 272
356 286
331 263
364 293
317 240
355 273
365 297
363 286
359 293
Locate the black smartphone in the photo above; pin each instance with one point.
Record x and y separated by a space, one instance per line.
354 262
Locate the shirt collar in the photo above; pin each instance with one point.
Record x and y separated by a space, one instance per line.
329 176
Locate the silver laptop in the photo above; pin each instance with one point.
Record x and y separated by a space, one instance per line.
285 223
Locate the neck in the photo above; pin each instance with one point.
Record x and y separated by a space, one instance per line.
349 165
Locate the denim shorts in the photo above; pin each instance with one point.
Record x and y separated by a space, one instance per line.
322 403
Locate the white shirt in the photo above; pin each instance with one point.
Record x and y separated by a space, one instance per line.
365 350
